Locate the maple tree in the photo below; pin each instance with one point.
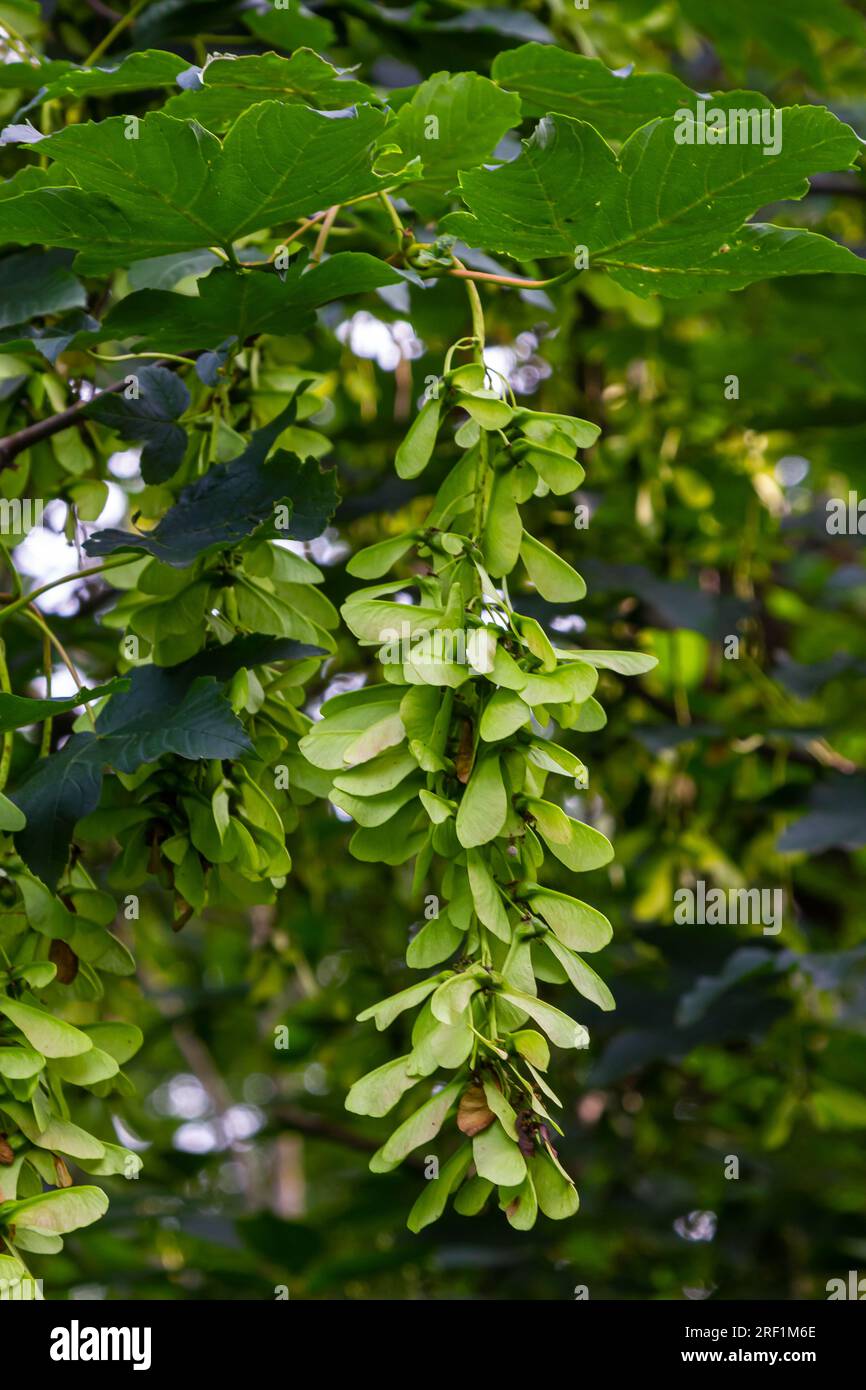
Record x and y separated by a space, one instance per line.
181 240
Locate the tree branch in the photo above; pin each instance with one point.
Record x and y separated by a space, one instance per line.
107 13
838 185
14 444
318 1127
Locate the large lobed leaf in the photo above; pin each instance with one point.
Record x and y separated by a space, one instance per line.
33 283
174 186
450 123
136 72
550 79
229 304
662 217
16 711
229 86
149 417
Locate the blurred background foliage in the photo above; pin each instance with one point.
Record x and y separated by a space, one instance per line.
706 517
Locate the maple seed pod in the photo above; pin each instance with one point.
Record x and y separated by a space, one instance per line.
440 768
63 956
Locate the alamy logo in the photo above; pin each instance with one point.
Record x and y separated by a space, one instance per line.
720 907
454 646
740 126
76 1343
24 1290
854 1287
846 516
17 517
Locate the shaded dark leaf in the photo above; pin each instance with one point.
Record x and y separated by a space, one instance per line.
146 413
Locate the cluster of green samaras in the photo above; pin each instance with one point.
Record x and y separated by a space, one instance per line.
206 780
446 761
54 952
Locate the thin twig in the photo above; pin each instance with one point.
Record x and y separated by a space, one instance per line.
6 687
476 307
26 600
136 356
319 1127
394 216
123 23
322 238
32 612
838 185
45 742
461 273
105 10
299 231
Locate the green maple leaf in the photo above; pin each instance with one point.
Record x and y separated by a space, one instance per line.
550 79
235 500
33 283
125 192
149 418
450 123
658 218
244 305
136 72
231 85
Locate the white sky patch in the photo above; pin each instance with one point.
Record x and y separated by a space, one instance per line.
115 509
387 344
396 297
45 552
791 470
125 1136
501 361
568 622
340 685
519 363
698 1225
11 50
125 463
196 1138
44 555
183 1096
62 684
327 549
242 1122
